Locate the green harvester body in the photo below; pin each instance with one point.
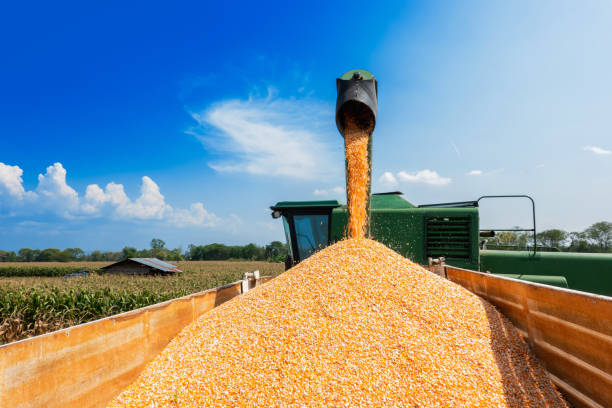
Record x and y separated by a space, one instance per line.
421 233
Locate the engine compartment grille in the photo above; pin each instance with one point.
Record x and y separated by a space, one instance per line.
448 237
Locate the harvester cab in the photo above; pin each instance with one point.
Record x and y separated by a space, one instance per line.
417 233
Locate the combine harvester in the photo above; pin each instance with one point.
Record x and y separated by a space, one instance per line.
558 301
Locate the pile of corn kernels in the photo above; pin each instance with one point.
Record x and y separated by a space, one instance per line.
354 325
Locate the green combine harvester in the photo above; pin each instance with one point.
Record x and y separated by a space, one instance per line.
432 233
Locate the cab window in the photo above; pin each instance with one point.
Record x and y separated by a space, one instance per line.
312 233
287 235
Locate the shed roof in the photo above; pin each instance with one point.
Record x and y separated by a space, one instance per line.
151 262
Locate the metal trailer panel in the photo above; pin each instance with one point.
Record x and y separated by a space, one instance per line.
89 364
583 271
570 331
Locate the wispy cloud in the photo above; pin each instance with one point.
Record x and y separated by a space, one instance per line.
477 173
424 177
455 148
270 136
54 195
388 180
326 192
597 150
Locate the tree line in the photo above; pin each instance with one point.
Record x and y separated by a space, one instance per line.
273 252
596 238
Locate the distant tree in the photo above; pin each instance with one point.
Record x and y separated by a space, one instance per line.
51 254
252 252
552 238
110 256
276 251
129 252
157 243
600 234
190 253
28 255
7 256
235 252
158 249
176 254
216 252
524 239
144 253
578 242
76 254
95 256
506 238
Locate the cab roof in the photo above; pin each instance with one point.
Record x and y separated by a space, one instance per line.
298 204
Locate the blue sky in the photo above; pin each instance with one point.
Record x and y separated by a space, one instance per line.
127 122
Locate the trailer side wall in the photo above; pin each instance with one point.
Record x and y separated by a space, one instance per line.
570 331
87 365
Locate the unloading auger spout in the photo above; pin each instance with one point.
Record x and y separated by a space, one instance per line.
356 110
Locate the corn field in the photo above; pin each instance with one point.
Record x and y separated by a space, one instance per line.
48 269
30 305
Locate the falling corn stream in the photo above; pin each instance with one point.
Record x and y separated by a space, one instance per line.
354 325
358 177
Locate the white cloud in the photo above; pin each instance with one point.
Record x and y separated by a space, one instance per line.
195 215
332 191
423 176
474 173
53 194
149 205
270 136
11 182
388 179
597 150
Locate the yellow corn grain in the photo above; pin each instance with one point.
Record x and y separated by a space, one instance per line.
357 177
354 325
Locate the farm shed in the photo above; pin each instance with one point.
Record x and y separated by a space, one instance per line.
142 266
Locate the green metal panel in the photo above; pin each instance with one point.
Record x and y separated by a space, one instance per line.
380 201
584 272
405 231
